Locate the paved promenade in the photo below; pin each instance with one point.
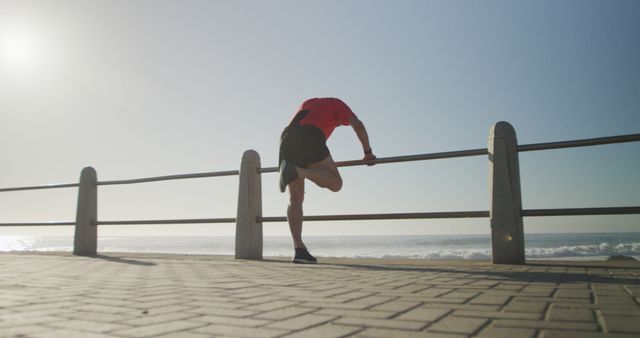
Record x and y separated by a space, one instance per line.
129 295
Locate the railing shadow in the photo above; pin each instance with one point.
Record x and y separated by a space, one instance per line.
519 273
122 260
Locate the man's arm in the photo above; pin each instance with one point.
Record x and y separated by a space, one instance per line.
363 136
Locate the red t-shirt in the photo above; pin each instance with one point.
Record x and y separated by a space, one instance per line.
326 114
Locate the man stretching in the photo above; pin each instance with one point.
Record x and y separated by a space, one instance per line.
304 154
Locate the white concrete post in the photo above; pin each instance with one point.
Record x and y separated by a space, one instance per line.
86 236
248 229
507 235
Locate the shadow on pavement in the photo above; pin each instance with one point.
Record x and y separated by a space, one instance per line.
123 260
522 273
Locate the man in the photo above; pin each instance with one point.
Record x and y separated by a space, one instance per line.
304 155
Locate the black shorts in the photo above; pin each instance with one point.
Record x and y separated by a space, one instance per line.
302 145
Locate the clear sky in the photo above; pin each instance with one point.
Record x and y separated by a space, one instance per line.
148 88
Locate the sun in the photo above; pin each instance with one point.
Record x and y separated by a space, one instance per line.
19 49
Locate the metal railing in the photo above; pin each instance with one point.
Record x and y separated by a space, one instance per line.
506 212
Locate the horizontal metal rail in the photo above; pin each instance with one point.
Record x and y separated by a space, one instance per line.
580 143
171 177
484 151
581 211
381 160
362 217
37 224
47 186
406 158
169 221
463 214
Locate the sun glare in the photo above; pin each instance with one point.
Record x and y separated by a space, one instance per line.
19 49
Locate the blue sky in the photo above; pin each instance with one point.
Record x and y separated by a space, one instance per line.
149 88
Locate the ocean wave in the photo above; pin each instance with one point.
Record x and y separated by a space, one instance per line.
602 249
480 254
544 247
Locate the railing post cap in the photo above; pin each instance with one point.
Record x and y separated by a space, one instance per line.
250 155
502 129
88 171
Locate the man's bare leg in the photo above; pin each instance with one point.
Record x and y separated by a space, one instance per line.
294 211
324 173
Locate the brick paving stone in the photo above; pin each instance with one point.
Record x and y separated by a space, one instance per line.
469 307
490 299
382 323
423 314
616 300
539 324
502 332
68 334
94 316
27 321
103 309
242 322
87 326
157 329
225 304
273 305
356 313
301 322
164 309
633 290
444 300
155 319
485 283
538 291
221 312
583 334
260 300
384 333
569 293
622 310
461 325
498 315
623 324
285 313
571 314
396 306
339 306
433 292
234 331
510 287
353 295
44 306
326 331
22 331
12 316
610 290
517 305
184 334
372 300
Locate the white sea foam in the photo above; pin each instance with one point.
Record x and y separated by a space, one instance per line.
17 243
454 247
602 249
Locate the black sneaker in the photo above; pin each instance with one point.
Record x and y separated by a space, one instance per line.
288 174
304 257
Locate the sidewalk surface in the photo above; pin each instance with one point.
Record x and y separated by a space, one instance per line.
135 295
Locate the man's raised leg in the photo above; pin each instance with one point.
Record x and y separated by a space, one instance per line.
324 173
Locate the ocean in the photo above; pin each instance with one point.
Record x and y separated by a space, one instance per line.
587 246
